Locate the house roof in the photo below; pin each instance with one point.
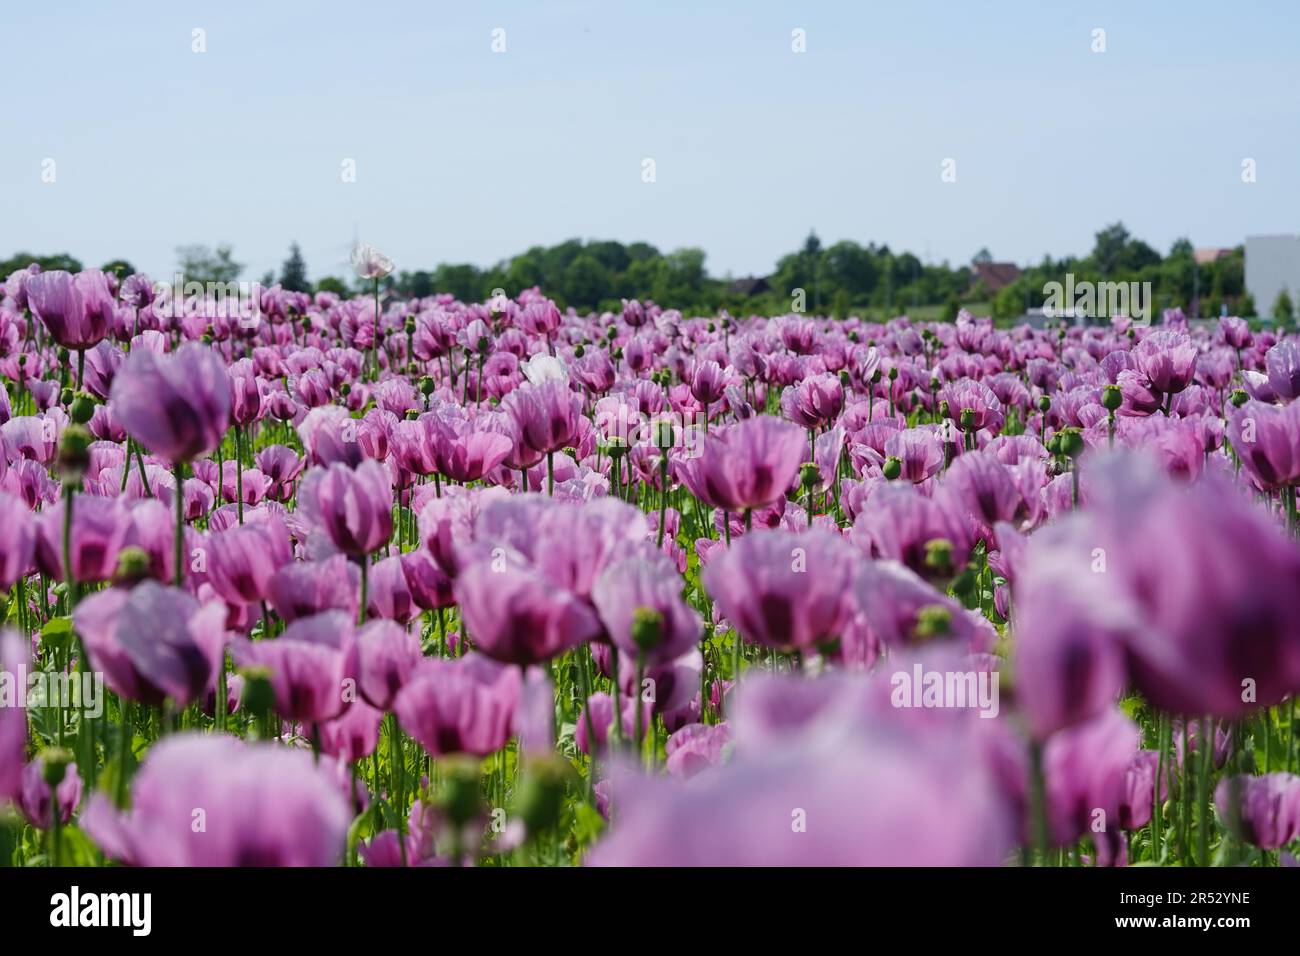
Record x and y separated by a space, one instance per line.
750 285
995 275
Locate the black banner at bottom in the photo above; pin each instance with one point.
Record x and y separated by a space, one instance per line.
341 905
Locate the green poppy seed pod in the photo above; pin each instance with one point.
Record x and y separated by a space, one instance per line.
540 803
22 361
206 338
618 354
412 414
1054 444
132 566
845 378
809 475
1132 333
853 335
345 389
484 345
943 409
615 448
460 795
893 373
1111 397
875 376
1072 443
258 694
665 437
933 620
306 323
934 384
1044 404
54 765
74 450
63 355
426 385
892 468
647 628
711 327
65 397
579 350
1239 397
967 419
938 555
83 408
410 325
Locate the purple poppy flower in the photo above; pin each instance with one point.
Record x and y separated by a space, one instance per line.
242 560
640 599
460 706
153 643
815 402
1263 811
176 405
1282 363
387 656
784 590
354 507
310 664
37 801
262 805
78 310
748 465
515 615
1166 359
301 589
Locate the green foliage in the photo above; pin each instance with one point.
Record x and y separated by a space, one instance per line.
47 263
198 263
118 267
332 284
1283 308
293 275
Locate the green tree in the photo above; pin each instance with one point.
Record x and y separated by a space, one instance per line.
1283 308
118 267
584 283
462 281
332 284
198 263
60 261
293 275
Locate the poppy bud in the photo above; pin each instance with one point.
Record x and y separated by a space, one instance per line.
74 450
132 566
83 408
809 475
933 620
461 791
647 628
938 555
54 764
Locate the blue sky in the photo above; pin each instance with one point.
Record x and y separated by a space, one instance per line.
466 155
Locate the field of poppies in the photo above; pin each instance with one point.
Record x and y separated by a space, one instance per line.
375 582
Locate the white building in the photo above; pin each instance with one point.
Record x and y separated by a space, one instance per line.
1272 264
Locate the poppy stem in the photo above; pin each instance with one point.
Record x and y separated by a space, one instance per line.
179 495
